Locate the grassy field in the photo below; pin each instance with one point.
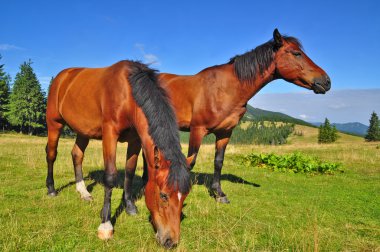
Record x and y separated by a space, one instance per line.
268 211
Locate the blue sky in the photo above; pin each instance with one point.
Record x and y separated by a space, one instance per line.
184 37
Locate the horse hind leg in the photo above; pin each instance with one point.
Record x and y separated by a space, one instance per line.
54 132
77 155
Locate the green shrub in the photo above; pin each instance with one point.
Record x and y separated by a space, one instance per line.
293 163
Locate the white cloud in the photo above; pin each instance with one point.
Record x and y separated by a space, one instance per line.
149 58
7 47
340 105
303 116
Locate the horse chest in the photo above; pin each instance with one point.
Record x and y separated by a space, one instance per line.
229 122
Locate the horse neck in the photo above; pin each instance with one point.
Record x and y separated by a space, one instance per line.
251 87
240 92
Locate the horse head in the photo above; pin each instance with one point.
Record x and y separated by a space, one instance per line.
167 187
293 65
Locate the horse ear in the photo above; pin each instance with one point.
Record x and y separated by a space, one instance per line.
190 159
277 38
157 158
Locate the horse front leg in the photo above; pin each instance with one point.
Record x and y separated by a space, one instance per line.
133 151
195 141
105 229
77 154
221 142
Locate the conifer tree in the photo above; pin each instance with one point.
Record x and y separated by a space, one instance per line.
27 101
373 132
327 133
4 96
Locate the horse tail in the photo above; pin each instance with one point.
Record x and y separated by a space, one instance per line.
162 121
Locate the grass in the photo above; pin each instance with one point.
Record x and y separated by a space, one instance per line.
268 211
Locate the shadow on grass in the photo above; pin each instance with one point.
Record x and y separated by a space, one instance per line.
200 178
197 178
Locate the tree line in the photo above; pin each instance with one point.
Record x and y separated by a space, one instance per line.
329 134
257 132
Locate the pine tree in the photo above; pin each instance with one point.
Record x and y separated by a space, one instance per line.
51 82
27 101
327 133
373 132
4 96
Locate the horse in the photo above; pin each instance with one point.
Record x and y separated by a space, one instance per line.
122 102
215 99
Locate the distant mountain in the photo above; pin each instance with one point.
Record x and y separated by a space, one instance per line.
257 114
355 128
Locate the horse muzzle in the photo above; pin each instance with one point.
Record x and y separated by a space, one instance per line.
321 85
166 241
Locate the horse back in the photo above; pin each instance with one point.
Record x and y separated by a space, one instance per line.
86 98
209 99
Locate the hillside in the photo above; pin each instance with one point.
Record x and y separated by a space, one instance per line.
310 136
265 115
355 128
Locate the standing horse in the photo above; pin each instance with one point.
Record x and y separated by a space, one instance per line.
122 102
215 99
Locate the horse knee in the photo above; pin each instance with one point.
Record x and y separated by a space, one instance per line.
76 155
110 180
218 163
51 154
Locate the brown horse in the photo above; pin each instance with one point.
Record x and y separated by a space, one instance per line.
122 102
215 99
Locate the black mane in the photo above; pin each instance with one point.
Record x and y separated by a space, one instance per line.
257 60
162 122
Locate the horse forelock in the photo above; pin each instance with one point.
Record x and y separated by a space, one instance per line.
248 65
162 122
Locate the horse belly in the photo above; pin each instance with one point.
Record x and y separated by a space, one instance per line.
84 124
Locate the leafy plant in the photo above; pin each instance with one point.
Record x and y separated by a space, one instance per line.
293 163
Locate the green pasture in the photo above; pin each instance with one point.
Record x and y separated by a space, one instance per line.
269 211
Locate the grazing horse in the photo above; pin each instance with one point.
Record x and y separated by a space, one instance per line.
122 102
215 99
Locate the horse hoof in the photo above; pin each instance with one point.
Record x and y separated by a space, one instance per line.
87 198
105 234
131 210
52 194
105 231
223 200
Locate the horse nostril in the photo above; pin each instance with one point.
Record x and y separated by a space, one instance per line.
169 244
328 83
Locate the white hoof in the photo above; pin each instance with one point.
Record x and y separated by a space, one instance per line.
105 231
81 188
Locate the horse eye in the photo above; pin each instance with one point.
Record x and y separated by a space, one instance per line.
164 196
297 54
